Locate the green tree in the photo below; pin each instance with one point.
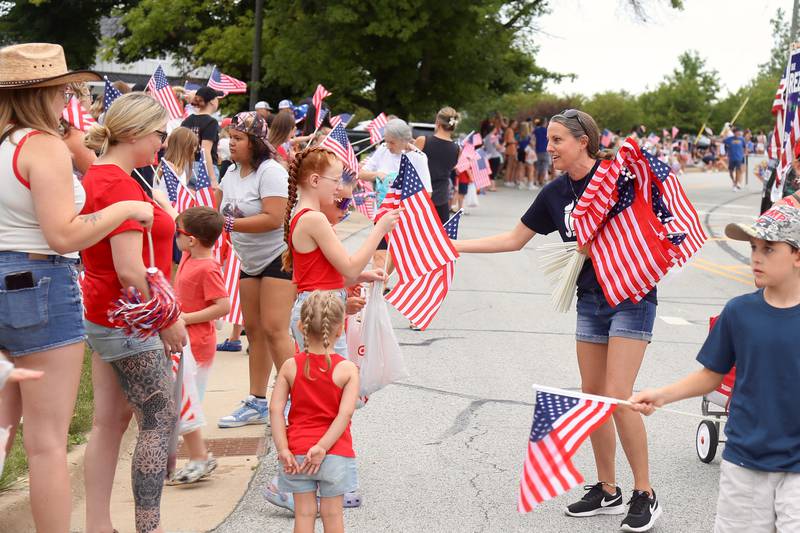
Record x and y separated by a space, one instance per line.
615 110
74 24
781 40
408 57
685 98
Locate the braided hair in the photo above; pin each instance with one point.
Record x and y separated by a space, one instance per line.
322 314
309 161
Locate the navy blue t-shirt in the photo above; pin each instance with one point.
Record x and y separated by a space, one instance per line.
763 428
735 148
552 209
540 132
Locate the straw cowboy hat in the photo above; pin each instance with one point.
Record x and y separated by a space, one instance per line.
38 65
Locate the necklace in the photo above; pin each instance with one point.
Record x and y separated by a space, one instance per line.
572 188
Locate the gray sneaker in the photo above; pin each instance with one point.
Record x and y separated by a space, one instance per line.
252 411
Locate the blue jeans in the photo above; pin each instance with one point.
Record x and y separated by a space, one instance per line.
43 317
597 320
341 343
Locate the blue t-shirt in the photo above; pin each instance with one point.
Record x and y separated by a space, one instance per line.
735 148
552 209
540 132
763 428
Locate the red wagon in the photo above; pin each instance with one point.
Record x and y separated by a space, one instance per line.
715 404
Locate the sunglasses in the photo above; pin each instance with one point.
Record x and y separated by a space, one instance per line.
343 204
183 232
573 114
162 135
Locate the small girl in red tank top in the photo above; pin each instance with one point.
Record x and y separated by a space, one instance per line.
316 450
315 255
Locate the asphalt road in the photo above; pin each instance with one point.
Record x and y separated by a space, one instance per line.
442 451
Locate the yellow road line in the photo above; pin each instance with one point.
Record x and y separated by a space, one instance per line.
714 268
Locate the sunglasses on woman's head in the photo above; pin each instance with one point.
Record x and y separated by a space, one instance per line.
573 113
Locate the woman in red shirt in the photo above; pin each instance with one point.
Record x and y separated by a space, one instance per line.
129 373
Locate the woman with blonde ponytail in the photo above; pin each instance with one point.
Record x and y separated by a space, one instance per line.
253 201
41 231
442 155
610 341
129 374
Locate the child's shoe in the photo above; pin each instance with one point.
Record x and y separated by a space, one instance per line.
252 411
229 346
193 471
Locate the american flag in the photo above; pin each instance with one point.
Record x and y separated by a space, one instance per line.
76 115
177 192
638 223
365 203
787 123
337 142
226 84
205 192
160 90
319 95
472 160
606 138
774 148
419 300
110 93
561 422
418 243
231 276
376 128
344 118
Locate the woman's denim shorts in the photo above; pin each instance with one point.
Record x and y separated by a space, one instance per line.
597 320
43 317
340 347
337 476
111 344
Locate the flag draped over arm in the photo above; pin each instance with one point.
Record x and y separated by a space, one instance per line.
637 222
419 300
561 422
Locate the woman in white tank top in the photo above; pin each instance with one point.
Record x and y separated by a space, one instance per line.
41 326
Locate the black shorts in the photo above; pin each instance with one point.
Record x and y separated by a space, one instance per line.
494 165
272 270
463 188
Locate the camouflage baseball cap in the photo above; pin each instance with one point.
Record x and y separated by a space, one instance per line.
781 223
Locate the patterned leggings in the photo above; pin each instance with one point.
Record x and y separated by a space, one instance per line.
146 380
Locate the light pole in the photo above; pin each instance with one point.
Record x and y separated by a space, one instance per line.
255 72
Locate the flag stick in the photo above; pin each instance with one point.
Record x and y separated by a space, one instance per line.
359 142
368 147
740 110
617 401
702 129
136 171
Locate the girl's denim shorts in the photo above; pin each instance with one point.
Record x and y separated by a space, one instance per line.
597 320
337 476
43 317
112 344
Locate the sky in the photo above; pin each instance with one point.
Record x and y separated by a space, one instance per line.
609 49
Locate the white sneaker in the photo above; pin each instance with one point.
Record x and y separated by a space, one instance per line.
521 186
531 186
193 471
508 184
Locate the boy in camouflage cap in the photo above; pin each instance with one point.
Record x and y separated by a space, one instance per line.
759 486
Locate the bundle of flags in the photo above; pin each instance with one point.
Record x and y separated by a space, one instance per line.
364 199
475 161
337 142
637 222
420 248
376 128
226 84
787 123
159 88
319 95
561 422
76 115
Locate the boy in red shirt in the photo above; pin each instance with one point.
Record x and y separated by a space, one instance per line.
204 298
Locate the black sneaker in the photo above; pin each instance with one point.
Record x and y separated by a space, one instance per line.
642 513
597 501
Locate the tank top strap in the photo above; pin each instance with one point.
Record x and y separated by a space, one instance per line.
293 223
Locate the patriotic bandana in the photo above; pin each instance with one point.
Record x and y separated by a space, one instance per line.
779 224
252 124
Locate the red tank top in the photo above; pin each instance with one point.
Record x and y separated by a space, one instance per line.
315 403
312 270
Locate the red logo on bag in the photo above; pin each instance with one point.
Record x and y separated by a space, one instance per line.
361 350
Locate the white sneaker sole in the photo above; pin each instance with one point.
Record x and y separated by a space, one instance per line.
611 510
646 527
233 424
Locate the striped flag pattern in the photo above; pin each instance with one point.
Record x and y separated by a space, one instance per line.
774 148
231 276
420 299
319 95
637 222
376 127
180 196
76 115
204 194
475 161
160 90
418 243
560 425
337 142
344 118
226 84
787 120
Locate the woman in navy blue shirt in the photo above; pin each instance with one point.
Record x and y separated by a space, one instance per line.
611 341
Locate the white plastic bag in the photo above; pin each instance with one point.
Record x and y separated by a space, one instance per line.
471 200
354 332
191 408
383 361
